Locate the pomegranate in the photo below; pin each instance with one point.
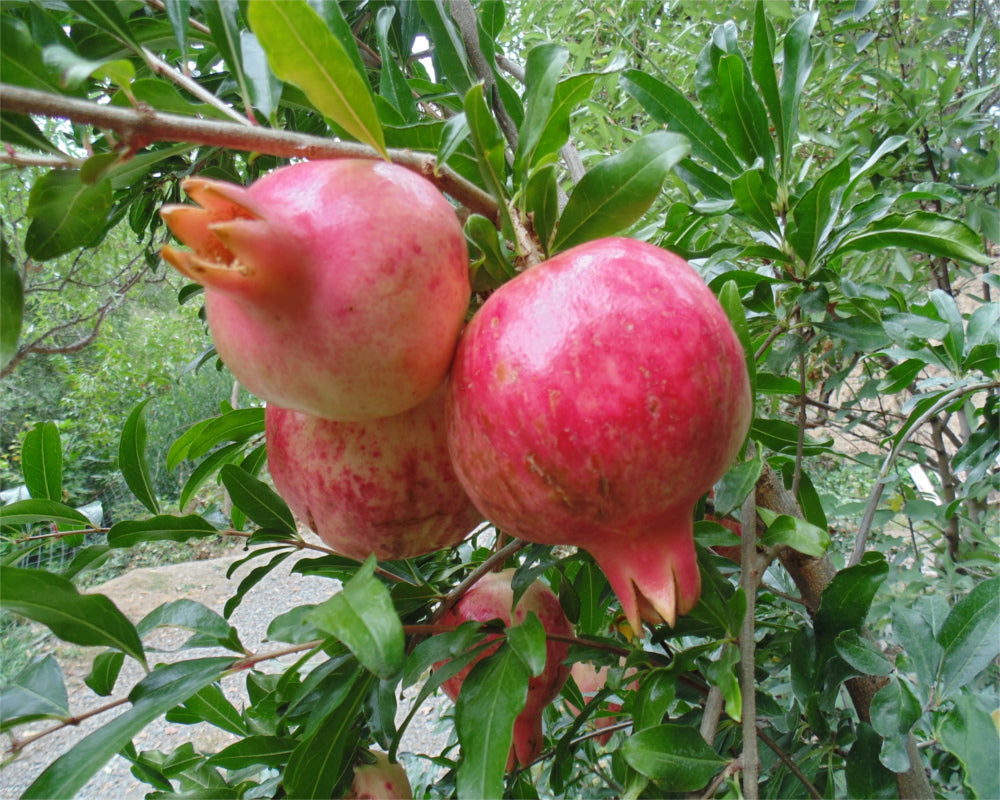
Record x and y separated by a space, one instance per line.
590 680
337 288
593 399
381 780
385 486
492 598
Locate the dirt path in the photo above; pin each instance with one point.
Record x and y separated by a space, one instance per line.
136 594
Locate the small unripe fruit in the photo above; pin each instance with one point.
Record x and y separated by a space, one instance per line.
381 780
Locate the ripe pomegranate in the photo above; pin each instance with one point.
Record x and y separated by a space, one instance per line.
381 780
492 598
337 288
590 680
385 486
593 399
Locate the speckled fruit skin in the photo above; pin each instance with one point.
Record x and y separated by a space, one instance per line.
337 288
492 598
593 399
384 486
382 780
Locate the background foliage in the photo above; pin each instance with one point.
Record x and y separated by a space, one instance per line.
831 169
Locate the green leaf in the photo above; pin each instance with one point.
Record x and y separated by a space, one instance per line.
915 634
541 200
796 65
222 17
129 533
675 756
178 12
450 60
754 192
258 500
392 82
210 705
28 512
489 144
970 635
104 672
21 62
541 76
253 751
158 692
968 733
866 776
132 458
529 642
669 107
922 231
816 211
862 654
304 52
735 485
492 695
41 462
617 192
895 709
570 92
232 426
732 304
954 340
362 616
483 234
106 17
207 625
744 117
65 213
37 692
84 619
845 602
206 469
11 305
762 67
802 536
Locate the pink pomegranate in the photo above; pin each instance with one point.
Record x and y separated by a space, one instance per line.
381 780
492 598
590 680
337 288
593 400
385 486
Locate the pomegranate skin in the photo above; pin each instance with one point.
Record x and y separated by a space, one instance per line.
382 780
593 399
336 288
492 598
384 486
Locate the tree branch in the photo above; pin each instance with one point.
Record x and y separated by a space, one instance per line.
142 127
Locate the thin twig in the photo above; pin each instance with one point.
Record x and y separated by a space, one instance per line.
750 577
787 759
142 127
455 594
801 440
731 769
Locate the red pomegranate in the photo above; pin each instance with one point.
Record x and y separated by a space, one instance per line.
492 598
593 399
385 486
380 780
337 288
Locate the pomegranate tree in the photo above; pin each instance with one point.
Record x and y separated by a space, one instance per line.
593 400
380 780
493 598
337 288
384 486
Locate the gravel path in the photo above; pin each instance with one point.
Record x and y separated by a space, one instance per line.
138 593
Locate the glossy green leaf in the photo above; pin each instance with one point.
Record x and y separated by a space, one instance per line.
617 192
669 107
254 576
255 751
304 52
954 340
450 60
74 70
362 616
528 641
675 756
862 654
744 118
541 75
209 627
66 214
656 694
392 82
845 602
895 709
763 68
11 305
569 94
922 231
36 692
816 211
208 467
483 234
262 83
923 653
732 304
258 500
106 17
210 705
232 426
490 147
970 635
797 63
132 458
21 131
222 17
84 619
983 327
541 200
798 534
28 512
968 733
104 672
735 485
755 191
41 462
492 696
158 692
21 57
866 775
178 12
164 527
